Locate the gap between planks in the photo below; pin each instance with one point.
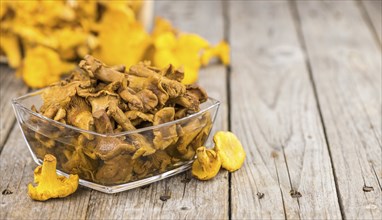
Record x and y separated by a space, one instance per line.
296 18
346 67
226 30
275 115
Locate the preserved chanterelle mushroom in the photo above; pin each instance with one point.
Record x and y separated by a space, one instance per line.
107 100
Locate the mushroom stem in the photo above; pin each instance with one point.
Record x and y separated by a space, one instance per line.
120 117
99 70
172 87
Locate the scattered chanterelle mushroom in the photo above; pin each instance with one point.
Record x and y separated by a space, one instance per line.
50 185
230 150
110 100
206 165
227 153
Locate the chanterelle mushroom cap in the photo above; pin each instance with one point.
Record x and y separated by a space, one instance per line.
197 91
165 136
134 102
203 134
58 96
189 101
144 100
160 160
206 165
102 102
142 144
137 117
172 73
153 84
110 147
50 185
116 171
191 130
230 150
148 98
79 163
79 114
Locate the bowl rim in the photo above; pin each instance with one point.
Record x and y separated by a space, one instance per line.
17 104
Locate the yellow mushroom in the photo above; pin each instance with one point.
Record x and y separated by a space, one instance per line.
230 150
221 51
43 66
182 50
51 185
206 165
127 30
10 46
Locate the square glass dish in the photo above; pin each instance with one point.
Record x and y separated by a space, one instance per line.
115 162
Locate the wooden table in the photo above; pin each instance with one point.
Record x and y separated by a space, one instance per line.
303 93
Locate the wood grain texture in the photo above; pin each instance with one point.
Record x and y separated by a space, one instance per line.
346 67
274 112
287 172
10 87
16 168
189 198
374 11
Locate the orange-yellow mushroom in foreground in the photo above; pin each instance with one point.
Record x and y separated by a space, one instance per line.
51 185
207 164
230 150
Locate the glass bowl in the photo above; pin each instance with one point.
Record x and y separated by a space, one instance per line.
115 162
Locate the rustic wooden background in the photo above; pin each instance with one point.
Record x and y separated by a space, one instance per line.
303 93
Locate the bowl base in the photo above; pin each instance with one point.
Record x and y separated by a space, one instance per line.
126 186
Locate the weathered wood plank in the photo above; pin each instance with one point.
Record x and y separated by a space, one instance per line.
16 168
346 67
274 113
190 199
10 87
374 11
